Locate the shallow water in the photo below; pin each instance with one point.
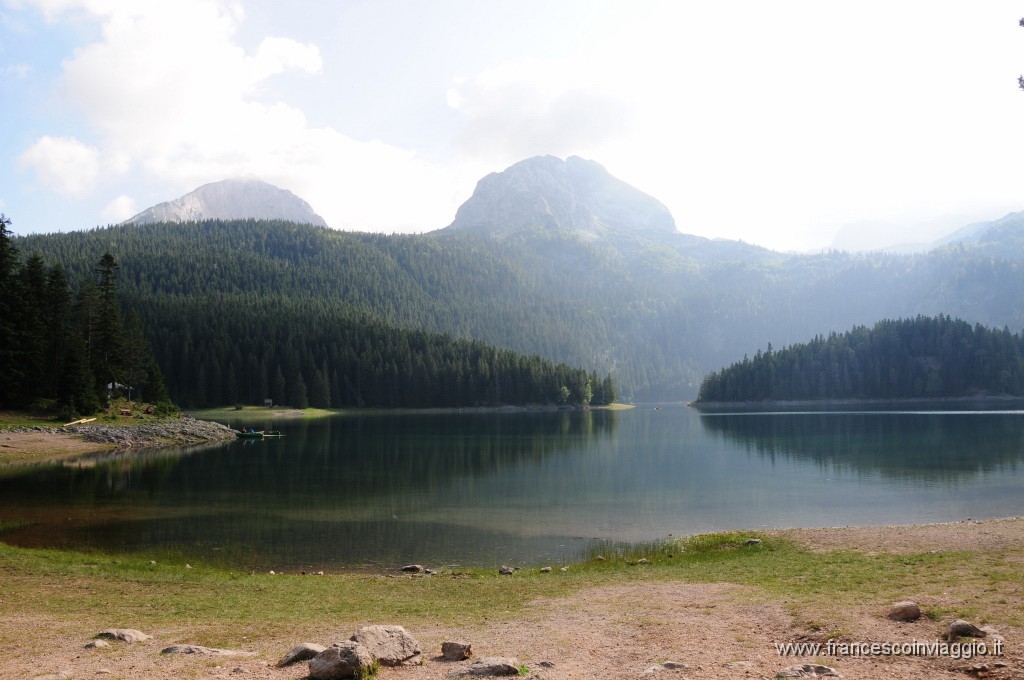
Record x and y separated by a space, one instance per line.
519 488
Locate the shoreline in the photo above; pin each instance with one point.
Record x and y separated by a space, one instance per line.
41 443
825 405
719 607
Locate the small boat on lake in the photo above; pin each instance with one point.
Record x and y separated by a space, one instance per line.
249 434
273 433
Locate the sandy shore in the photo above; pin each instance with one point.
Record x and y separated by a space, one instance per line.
39 443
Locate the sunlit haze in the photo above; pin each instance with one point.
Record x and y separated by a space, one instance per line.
792 125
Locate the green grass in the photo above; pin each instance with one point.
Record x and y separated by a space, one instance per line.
256 413
815 587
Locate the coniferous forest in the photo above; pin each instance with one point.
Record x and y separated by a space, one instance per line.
923 357
240 309
227 330
71 351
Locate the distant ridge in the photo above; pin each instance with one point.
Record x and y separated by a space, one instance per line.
574 195
232 199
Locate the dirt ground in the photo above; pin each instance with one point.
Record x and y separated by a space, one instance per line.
22 447
712 630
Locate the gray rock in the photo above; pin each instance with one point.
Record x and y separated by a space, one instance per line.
390 645
341 660
545 570
97 644
667 666
807 670
303 652
505 571
124 634
574 195
456 651
961 628
904 611
204 651
487 665
232 199
413 568
753 541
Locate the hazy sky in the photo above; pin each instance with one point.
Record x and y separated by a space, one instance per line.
773 122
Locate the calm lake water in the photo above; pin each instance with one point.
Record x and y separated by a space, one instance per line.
518 488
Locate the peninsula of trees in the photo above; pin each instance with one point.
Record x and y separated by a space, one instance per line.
922 357
227 327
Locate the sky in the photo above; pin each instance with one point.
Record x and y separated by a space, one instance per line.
795 125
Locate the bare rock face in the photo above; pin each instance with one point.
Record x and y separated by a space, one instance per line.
390 645
904 611
572 195
232 199
341 660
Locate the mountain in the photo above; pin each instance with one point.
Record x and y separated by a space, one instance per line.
571 195
999 238
540 261
232 199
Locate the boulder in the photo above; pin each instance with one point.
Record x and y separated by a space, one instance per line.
487 666
303 652
505 571
413 568
961 628
904 611
807 670
456 651
124 634
204 651
97 644
390 645
667 666
341 660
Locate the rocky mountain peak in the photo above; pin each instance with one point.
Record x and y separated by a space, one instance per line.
232 199
574 194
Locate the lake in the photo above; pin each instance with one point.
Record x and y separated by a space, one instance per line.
520 488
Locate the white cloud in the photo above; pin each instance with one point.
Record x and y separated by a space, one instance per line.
172 93
63 164
119 209
533 107
21 71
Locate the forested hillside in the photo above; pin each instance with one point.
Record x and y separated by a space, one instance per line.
657 313
247 312
923 357
68 352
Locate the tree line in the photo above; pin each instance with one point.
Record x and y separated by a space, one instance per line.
922 357
68 351
244 335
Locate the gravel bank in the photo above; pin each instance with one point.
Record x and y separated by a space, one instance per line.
184 431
